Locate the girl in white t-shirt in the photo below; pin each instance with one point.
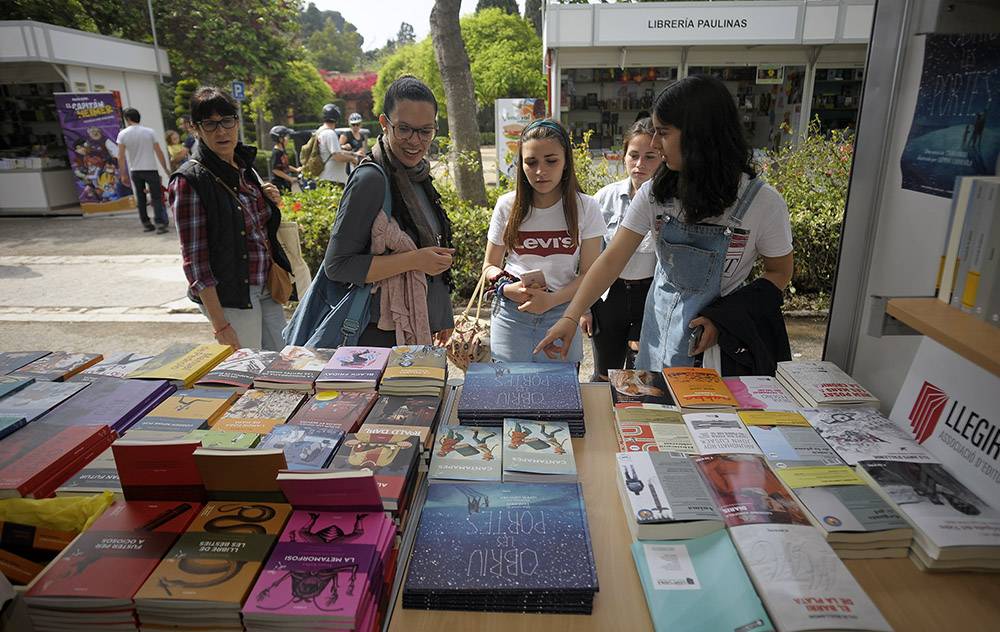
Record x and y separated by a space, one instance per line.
545 224
716 219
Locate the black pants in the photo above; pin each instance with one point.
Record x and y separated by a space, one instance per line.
616 321
141 179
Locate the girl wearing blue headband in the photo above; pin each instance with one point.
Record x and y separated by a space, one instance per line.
546 230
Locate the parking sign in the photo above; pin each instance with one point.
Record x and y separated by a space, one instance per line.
239 91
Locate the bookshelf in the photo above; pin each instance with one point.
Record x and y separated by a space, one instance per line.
966 335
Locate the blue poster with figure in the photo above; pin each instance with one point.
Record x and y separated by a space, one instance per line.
956 123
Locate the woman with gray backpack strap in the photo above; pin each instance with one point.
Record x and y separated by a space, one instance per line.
392 236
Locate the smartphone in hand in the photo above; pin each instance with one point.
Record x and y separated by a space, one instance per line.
534 279
694 337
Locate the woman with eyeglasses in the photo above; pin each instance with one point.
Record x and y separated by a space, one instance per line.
419 252
227 221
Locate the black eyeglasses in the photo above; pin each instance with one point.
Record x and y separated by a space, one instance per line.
210 125
405 132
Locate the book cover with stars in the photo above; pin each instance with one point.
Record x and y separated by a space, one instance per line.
502 547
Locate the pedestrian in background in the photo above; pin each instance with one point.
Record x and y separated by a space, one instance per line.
354 141
178 152
138 153
280 169
335 159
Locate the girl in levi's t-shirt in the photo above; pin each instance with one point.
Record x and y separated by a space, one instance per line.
545 224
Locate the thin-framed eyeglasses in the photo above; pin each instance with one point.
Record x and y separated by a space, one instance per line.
405 132
210 125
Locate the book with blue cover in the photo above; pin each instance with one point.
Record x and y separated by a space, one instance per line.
10 424
698 585
113 402
502 547
13 360
13 383
305 447
33 401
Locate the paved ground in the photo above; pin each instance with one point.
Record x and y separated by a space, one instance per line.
101 284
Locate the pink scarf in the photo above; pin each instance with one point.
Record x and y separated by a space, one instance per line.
404 296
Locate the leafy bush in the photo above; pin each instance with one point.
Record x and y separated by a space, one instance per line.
487 139
314 211
262 163
813 177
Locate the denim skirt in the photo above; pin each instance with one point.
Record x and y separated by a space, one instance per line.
514 334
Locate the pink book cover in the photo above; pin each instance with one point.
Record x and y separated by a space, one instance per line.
351 364
321 567
760 393
325 490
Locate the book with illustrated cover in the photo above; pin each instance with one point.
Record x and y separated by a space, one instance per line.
231 539
59 366
760 392
118 364
217 439
507 389
794 569
467 453
182 363
411 415
639 436
415 370
238 370
746 491
13 383
344 410
863 434
241 475
305 447
353 368
629 386
34 400
460 534
113 402
187 410
35 460
719 433
698 584
793 446
664 497
537 452
158 470
392 458
109 562
696 387
259 411
819 384
295 368
13 360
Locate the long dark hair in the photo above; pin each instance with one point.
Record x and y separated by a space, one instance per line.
714 150
544 129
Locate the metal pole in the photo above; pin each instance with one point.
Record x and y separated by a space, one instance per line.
156 45
242 123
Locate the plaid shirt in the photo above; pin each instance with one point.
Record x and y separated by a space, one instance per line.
192 227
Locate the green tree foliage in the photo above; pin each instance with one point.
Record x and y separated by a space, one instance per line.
335 47
299 87
182 96
406 35
504 52
507 6
533 14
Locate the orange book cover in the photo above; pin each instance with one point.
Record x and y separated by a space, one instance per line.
696 387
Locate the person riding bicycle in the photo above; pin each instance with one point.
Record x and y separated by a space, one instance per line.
281 171
354 141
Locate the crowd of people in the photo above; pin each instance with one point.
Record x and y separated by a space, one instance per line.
654 269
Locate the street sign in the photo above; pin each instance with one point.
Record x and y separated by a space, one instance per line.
239 91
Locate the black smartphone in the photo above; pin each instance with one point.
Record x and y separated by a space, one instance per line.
694 338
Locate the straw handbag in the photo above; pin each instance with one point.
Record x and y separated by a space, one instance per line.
470 341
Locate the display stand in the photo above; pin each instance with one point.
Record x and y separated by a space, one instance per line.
910 599
972 338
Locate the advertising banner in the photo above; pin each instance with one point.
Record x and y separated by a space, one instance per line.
512 116
956 122
90 124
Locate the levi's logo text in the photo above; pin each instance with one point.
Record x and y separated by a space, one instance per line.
974 437
734 254
544 243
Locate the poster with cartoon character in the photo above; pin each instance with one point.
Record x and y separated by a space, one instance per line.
90 124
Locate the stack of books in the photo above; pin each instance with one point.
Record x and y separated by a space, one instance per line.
259 411
37 459
93 584
238 370
698 389
294 369
59 366
414 416
305 447
642 396
970 273
344 410
453 565
536 452
393 458
654 436
117 365
353 369
240 475
25 549
548 391
13 383
822 384
415 370
719 433
760 392
953 529
112 402
787 440
11 361
34 400
204 579
467 453
330 566
863 434
182 364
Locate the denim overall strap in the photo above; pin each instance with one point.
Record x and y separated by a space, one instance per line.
688 277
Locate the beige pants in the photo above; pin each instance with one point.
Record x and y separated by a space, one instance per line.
288 237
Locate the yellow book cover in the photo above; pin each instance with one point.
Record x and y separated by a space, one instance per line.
772 418
217 559
417 362
183 363
796 477
196 404
695 387
256 426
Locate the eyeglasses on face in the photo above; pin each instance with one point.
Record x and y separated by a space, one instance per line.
210 125
405 132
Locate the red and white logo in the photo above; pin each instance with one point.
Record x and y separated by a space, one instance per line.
926 411
544 243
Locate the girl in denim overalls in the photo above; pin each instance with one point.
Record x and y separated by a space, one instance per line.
712 216
545 224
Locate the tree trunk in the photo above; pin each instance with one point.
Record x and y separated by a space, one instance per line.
466 163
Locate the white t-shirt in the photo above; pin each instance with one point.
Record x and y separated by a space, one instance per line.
614 201
329 142
139 142
546 244
765 230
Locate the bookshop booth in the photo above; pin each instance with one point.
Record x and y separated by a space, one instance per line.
38 60
784 62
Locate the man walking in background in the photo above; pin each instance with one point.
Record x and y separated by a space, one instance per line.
138 152
334 158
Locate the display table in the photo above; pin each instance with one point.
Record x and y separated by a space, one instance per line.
909 599
43 191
